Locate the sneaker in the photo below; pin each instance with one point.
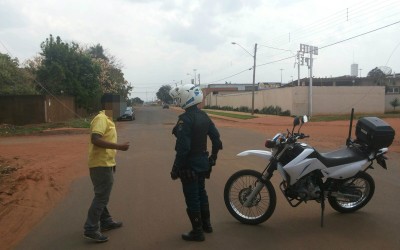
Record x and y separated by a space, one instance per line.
97 237
111 226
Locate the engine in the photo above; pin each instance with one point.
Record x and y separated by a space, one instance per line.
305 189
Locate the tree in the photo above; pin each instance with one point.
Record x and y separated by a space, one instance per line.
377 75
135 101
67 69
97 52
111 77
13 79
163 94
395 103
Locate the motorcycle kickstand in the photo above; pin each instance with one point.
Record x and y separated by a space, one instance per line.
322 210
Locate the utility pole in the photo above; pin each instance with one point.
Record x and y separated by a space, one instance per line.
194 82
310 50
281 76
254 79
360 73
298 68
310 87
254 72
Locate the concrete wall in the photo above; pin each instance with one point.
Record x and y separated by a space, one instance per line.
326 100
340 100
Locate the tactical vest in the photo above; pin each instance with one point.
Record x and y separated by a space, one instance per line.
201 123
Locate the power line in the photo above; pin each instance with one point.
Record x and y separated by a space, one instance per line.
323 47
365 10
365 33
229 76
335 19
8 52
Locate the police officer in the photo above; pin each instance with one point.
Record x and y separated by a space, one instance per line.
192 161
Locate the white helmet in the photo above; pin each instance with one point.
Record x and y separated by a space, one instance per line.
187 95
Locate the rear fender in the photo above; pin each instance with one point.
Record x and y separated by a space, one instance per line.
260 153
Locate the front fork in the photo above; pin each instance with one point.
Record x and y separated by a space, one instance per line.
266 176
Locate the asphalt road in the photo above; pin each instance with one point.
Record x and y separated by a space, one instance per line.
152 207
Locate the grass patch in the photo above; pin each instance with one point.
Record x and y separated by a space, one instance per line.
232 115
10 130
329 118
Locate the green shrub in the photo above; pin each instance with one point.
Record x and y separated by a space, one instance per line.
243 109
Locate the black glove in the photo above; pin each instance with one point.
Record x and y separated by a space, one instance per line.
174 173
212 160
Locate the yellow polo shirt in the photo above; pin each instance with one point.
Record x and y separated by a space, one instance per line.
102 157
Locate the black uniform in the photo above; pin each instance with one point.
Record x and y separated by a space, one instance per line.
192 162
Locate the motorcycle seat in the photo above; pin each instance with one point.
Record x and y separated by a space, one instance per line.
341 156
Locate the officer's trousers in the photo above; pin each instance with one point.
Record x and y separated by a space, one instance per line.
195 193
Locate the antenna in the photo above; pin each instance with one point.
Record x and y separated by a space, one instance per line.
348 141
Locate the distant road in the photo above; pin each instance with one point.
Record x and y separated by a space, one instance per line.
152 207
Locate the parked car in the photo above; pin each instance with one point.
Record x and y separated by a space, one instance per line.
129 114
165 106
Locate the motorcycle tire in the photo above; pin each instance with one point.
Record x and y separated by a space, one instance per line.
361 185
236 190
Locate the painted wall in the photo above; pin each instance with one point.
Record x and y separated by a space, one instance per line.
325 100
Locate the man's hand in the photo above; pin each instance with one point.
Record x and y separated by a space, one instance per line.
123 147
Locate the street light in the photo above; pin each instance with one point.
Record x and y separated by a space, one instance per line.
254 72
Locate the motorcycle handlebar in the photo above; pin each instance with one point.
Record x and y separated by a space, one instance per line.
300 136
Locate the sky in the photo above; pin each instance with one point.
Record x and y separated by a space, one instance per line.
167 42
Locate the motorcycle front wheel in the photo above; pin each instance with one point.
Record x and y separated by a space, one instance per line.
238 188
353 193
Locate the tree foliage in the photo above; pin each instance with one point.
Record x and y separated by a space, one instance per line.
67 69
377 75
163 94
135 101
111 77
15 80
395 103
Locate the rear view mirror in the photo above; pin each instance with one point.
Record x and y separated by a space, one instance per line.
304 119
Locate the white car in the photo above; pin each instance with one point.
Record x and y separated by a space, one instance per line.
129 114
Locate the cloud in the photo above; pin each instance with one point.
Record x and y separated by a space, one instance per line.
10 17
159 41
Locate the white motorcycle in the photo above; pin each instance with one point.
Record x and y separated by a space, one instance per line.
339 176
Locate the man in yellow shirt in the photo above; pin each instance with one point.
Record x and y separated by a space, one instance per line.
102 150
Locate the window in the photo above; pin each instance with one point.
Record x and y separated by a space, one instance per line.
393 90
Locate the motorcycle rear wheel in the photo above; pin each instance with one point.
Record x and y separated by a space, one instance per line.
362 186
237 189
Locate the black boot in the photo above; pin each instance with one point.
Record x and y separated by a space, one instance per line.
197 232
205 217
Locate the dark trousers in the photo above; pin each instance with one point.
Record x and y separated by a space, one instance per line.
195 193
102 179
